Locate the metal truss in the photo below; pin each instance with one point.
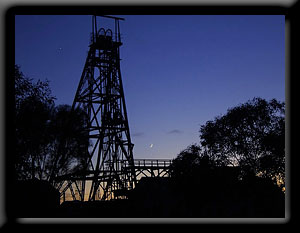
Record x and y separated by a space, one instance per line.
100 94
151 168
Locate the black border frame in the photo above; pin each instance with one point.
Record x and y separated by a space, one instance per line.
291 17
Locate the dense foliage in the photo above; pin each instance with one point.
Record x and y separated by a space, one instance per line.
250 136
50 140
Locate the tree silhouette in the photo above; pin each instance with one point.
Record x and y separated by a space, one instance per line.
232 172
69 143
34 104
189 163
50 140
250 136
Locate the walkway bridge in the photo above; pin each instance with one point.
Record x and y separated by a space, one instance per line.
70 185
151 168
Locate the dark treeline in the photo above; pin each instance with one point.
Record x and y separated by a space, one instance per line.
250 136
236 170
50 139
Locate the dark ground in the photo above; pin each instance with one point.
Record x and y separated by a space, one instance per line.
161 198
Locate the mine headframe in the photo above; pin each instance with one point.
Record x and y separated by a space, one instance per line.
100 95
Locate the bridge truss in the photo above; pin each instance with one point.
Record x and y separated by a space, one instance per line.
70 185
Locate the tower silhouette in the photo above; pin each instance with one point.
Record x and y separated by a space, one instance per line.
107 170
110 167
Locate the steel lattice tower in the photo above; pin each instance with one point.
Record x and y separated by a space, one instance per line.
100 94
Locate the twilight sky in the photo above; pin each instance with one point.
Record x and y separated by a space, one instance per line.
178 71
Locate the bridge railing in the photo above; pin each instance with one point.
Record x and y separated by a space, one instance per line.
152 162
164 163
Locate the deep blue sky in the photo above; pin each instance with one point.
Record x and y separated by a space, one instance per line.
178 71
